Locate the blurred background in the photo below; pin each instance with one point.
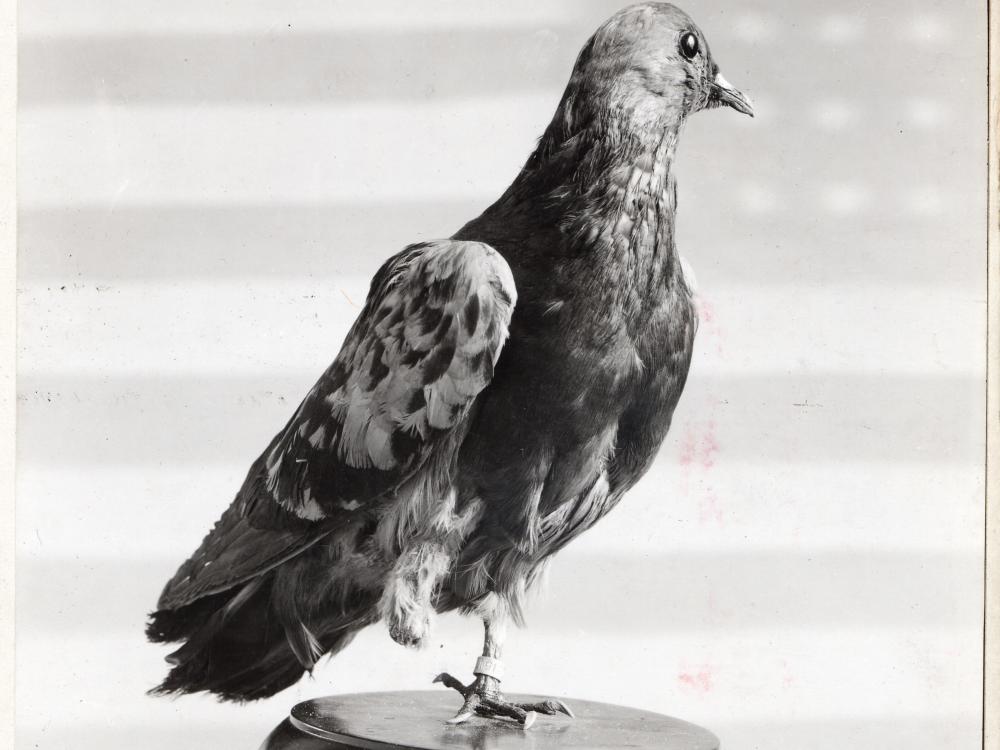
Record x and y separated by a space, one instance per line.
205 190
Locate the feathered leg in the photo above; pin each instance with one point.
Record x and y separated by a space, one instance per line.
483 696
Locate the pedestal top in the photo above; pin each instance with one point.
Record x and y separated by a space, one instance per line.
416 721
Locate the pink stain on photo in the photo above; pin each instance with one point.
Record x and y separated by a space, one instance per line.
709 329
689 446
788 679
699 679
698 446
709 446
709 509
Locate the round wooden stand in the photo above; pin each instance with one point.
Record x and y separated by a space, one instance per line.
416 721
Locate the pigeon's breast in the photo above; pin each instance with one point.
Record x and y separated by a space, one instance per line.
550 419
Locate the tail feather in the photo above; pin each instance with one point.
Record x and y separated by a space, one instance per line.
239 647
213 624
304 645
246 592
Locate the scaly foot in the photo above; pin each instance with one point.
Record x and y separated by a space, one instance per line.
483 697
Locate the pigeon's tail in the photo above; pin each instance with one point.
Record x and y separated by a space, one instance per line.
240 646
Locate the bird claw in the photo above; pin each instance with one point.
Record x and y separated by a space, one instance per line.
549 707
492 705
451 682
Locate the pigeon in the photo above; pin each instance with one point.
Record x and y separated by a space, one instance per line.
499 393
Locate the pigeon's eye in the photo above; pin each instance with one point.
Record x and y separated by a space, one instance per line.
689 46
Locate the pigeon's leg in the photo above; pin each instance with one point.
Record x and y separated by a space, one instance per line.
483 696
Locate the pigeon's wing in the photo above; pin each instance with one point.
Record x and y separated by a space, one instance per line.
235 552
421 350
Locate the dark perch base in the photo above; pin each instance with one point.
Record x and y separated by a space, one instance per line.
416 721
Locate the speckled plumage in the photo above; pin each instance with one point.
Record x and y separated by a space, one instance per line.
434 466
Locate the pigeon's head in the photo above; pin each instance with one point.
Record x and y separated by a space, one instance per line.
651 61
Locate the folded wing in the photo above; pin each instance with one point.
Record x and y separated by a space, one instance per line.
421 350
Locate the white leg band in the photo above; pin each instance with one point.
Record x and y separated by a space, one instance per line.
489 667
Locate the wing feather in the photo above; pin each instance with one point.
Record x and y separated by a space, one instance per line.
409 371
414 361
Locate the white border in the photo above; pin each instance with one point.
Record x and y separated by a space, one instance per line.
8 328
991 655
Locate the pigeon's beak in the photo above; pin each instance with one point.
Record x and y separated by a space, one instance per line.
723 93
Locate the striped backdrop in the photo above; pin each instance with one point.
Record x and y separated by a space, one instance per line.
205 189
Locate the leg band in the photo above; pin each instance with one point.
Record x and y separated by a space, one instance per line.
489 667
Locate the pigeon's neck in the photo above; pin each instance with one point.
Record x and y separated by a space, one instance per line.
613 192
635 183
